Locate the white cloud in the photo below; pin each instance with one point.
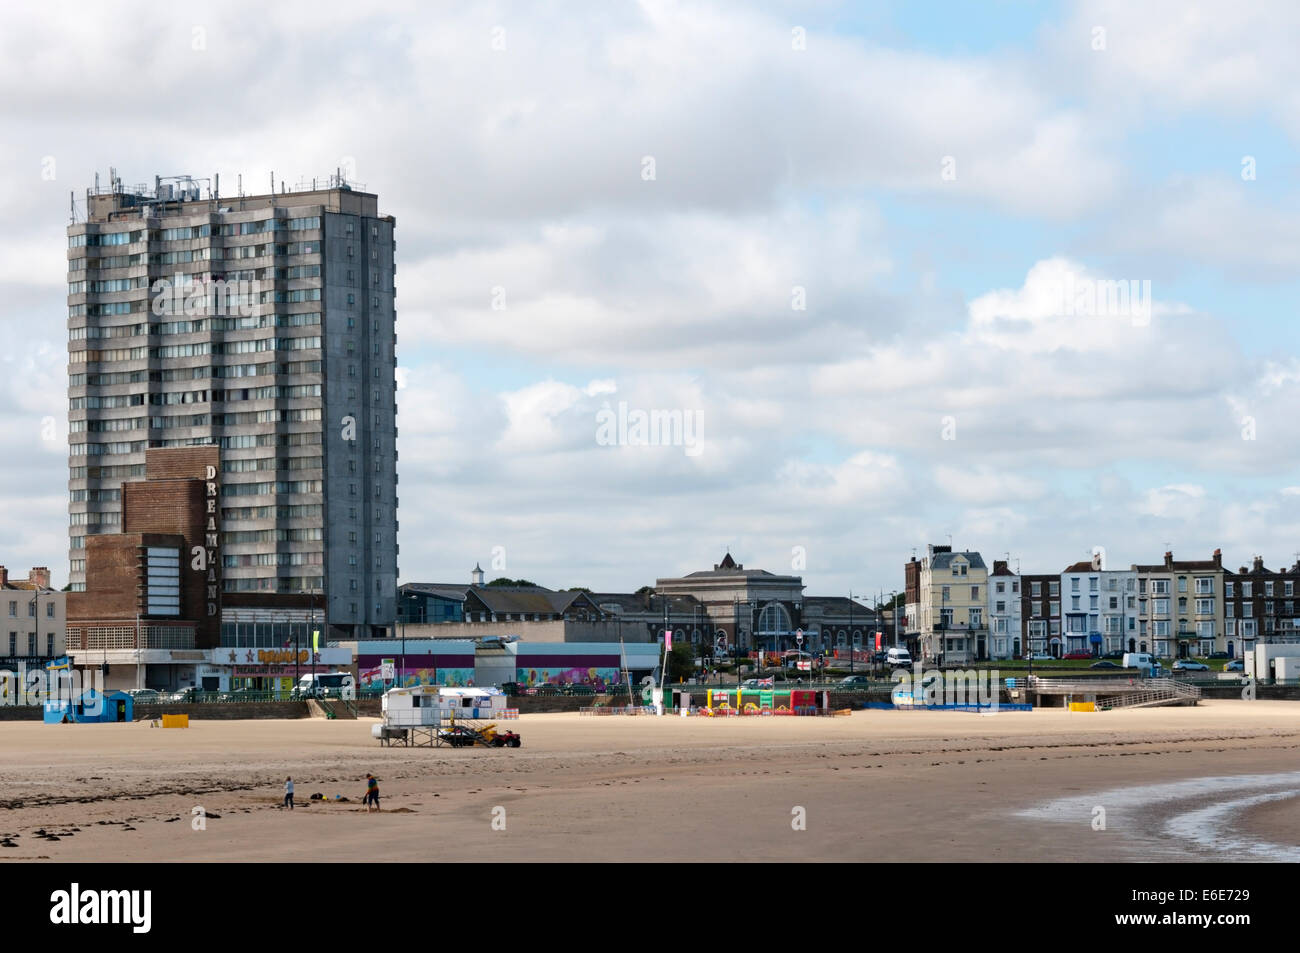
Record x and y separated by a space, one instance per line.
1176 501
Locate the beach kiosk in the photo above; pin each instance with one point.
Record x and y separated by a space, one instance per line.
423 715
91 707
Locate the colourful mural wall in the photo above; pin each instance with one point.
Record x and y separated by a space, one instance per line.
596 678
454 671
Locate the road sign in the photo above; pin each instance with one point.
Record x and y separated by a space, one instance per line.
387 670
798 636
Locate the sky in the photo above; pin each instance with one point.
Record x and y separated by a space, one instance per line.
1020 277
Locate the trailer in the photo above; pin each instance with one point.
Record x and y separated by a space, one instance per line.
436 716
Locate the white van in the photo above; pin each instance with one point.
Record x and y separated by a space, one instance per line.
326 685
1144 662
898 658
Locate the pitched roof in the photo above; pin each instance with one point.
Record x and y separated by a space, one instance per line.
944 560
526 599
443 590
837 605
730 569
631 602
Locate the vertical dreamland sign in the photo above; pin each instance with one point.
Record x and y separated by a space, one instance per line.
205 554
212 541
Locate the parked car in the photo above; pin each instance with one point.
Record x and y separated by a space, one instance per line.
854 682
1113 656
184 695
578 690
145 696
1236 665
1219 655
1077 656
1040 657
1105 664
1187 665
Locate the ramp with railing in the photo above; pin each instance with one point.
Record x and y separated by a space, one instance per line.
1115 692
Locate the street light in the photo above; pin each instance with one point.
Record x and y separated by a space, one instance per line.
851 658
314 638
735 636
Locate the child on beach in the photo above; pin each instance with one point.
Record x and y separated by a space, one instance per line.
288 793
372 792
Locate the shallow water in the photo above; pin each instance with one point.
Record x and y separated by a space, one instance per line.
1159 823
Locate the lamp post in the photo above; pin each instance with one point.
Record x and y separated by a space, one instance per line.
893 606
753 626
36 616
851 659
735 632
314 638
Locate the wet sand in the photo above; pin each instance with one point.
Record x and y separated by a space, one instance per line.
871 786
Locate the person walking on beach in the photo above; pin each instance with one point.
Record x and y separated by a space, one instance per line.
372 792
288 793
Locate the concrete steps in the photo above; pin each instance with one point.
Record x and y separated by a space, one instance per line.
328 708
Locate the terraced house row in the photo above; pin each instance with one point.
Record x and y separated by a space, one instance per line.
958 611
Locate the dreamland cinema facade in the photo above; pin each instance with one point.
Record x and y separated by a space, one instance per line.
959 611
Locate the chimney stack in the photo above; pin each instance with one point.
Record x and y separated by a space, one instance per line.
1258 565
4 576
1218 559
39 576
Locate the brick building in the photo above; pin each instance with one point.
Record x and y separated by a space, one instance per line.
1260 604
154 589
1040 613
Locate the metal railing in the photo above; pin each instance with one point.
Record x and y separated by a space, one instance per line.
1176 686
1137 698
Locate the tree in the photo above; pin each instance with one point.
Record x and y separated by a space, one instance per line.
506 581
681 662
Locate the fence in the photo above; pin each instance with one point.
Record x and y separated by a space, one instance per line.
108 637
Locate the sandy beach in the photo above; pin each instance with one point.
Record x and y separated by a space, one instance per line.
1215 782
